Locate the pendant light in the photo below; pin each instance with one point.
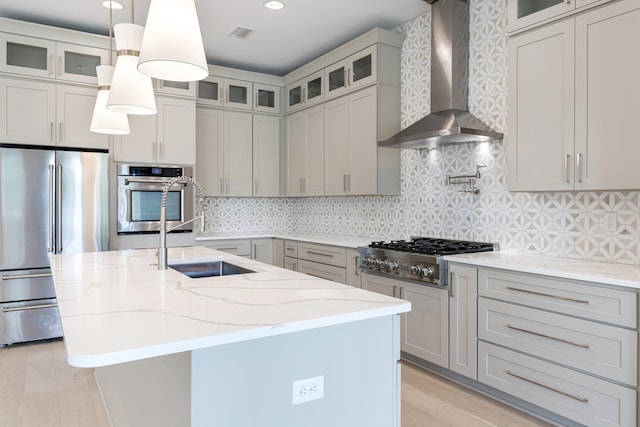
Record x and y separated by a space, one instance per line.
172 46
131 91
103 119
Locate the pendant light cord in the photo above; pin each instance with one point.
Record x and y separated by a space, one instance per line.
132 10
110 33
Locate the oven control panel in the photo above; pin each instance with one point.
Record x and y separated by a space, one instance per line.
425 269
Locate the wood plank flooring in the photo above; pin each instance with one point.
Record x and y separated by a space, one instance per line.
39 388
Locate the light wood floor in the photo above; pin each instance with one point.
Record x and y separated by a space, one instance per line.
39 388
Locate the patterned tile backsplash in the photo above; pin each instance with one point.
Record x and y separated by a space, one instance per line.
566 224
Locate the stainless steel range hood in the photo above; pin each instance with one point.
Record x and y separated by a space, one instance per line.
450 121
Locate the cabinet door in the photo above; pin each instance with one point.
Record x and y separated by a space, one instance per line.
27 112
336 79
323 271
352 73
238 141
463 321
209 91
291 263
354 276
74 112
523 13
139 146
425 329
266 98
238 94
176 121
541 109
187 89
295 125
262 250
27 55
209 150
278 253
314 157
336 150
314 88
78 63
266 156
363 143
607 93
380 285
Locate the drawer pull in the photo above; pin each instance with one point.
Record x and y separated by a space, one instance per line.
29 307
290 249
548 336
320 254
25 276
579 399
581 301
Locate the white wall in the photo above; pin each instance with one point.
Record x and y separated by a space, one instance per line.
565 224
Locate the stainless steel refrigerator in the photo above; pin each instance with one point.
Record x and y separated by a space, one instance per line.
51 201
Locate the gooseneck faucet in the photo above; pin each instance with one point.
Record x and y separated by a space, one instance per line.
162 250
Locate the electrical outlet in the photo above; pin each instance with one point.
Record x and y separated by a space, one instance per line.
308 389
610 221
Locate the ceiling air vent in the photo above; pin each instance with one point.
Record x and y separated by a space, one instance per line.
241 32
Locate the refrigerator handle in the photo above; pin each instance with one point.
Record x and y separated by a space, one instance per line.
58 219
52 207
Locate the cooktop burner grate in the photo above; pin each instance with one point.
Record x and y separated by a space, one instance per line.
432 246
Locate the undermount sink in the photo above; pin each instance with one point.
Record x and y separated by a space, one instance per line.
205 268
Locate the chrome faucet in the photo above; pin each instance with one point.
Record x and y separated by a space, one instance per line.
162 250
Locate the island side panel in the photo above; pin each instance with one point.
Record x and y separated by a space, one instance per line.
250 383
148 392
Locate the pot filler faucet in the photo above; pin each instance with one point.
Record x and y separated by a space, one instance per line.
162 250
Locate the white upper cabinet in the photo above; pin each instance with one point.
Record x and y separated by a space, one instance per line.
529 13
570 87
169 137
305 92
41 113
305 152
168 87
229 93
357 70
37 57
266 156
266 98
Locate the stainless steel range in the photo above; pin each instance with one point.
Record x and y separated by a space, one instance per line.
420 258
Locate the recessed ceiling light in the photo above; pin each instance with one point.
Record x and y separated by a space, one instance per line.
274 5
115 5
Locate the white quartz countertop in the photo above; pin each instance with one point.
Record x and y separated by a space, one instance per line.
591 271
117 306
321 238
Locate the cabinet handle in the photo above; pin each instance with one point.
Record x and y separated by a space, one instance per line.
344 182
320 254
567 158
349 76
346 78
581 301
401 292
25 276
451 293
29 307
395 290
51 67
256 104
60 131
228 249
59 67
526 331
51 131
579 399
357 262
579 166
349 182
290 249
255 186
220 94
228 99
303 185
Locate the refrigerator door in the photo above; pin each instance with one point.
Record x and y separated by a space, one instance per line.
25 233
82 196
29 321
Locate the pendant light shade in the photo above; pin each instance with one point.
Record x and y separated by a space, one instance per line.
103 119
172 47
131 91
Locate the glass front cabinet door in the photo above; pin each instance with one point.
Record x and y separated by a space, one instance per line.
352 73
44 58
524 13
209 91
305 92
266 98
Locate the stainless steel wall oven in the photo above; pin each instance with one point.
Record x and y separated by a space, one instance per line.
139 194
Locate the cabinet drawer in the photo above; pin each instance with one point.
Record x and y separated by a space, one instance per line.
291 248
596 348
564 296
331 255
579 397
240 247
329 272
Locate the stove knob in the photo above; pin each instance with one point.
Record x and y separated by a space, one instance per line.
367 261
382 264
393 266
416 270
427 272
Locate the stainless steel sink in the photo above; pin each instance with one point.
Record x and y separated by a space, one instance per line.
197 269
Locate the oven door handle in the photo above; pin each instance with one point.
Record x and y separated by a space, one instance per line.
128 181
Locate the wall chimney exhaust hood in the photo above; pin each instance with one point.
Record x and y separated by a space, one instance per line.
450 121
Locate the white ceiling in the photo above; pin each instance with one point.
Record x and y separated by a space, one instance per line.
282 40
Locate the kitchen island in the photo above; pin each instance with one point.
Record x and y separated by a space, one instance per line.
170 350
